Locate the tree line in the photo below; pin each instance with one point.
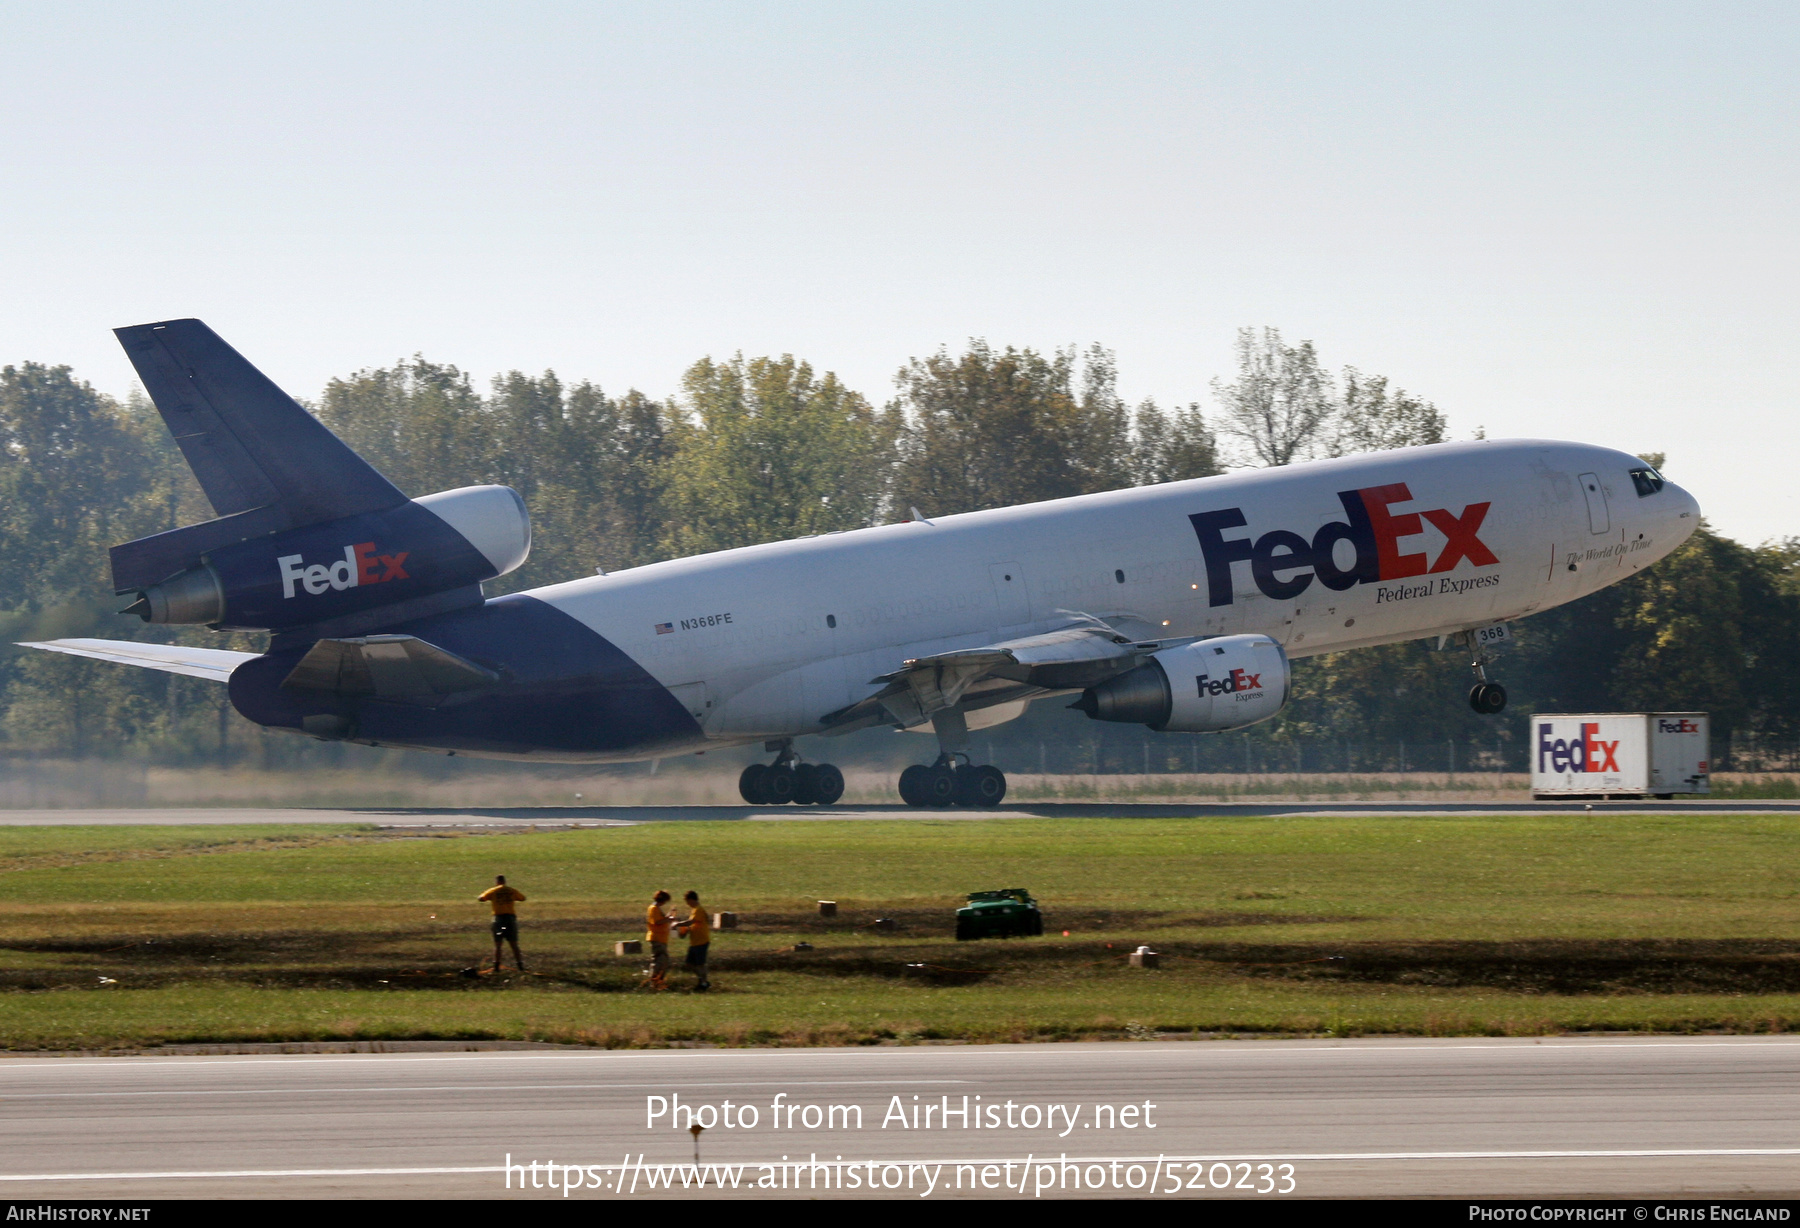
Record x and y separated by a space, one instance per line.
765 448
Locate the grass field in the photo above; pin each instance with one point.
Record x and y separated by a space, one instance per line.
124 936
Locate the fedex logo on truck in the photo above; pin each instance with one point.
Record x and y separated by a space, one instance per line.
1586 753
1284 563
361 564
1677 726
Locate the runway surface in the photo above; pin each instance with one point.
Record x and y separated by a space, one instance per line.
606 816
1645 1117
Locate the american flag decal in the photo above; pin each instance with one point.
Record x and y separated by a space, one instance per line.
665 628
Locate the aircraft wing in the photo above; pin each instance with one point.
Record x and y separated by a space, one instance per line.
1069 658
213 663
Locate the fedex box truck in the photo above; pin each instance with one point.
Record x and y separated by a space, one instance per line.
1619 754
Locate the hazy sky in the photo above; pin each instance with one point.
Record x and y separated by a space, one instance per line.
1569 220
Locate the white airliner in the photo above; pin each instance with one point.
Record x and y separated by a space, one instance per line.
1176 606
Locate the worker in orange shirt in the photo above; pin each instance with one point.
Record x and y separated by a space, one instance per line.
656 933
698 928
501 899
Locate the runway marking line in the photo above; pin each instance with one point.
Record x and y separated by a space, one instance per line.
488 1087
1255 1157
866 1057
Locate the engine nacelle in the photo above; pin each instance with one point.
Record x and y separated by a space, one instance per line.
1204 687
297 577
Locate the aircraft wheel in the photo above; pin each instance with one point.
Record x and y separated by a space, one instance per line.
750 784
939 786
1487 698
806 784
912 790
778 786
828 785
979 786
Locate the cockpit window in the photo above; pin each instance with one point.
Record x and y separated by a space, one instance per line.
1647 481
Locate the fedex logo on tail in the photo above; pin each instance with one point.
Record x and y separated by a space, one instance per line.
1586 753
1283 564
361 564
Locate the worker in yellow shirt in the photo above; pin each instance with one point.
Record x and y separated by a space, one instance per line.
506 918
698 928
656 933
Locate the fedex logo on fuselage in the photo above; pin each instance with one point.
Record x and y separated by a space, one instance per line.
360 565
1283 564
1586 753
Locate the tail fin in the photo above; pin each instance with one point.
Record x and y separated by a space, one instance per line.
263 461
247 441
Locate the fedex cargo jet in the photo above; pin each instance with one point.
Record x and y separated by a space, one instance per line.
1177 606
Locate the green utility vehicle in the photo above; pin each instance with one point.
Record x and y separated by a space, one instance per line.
999 914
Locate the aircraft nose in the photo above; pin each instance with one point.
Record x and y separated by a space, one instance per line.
1683 510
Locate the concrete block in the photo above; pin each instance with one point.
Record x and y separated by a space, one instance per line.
724 920
828 908
631 947
1144 957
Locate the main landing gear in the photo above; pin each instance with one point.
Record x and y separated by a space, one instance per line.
948 782
788 780
1485 697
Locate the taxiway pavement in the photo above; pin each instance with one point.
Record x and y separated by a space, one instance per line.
1642 1117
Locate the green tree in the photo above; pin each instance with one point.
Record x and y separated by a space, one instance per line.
421 423
764 450
1280 406
992 428
1368 418
1172 446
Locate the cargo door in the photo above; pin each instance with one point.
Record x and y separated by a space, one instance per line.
1599 521
1012 604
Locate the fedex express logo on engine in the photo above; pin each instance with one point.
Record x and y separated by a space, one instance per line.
360 565
1586 753
1237 680
1283 564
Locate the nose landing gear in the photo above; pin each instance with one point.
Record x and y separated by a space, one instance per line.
788 780
1487 698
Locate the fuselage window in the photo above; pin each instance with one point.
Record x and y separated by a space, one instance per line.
831 620
1647 481
1119 576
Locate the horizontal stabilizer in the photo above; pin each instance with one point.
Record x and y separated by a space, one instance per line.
213 663
249 444
397 667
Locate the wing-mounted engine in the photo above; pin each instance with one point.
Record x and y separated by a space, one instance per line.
308 535
1203 687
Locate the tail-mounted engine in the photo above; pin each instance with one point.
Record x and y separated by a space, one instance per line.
308 535
1204 687
436 544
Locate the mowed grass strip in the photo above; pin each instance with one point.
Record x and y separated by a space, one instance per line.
1510 924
